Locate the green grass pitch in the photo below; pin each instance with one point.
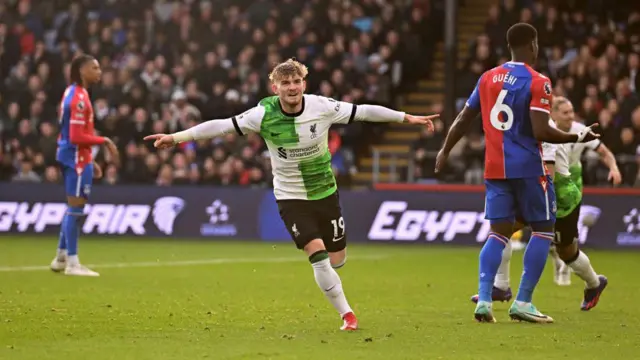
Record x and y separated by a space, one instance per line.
161 299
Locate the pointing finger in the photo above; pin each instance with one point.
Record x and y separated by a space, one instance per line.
152 137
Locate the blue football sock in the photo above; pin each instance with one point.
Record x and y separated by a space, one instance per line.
72 228
535 258
62 241
490 258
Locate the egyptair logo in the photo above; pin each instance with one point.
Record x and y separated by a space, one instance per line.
165 211
547 88
632 221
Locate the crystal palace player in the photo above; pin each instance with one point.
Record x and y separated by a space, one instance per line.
75 159
514 101
569 195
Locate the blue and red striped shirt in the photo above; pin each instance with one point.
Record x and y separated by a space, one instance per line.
77 134
505 95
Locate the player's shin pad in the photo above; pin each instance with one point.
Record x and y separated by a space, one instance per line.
581 266
535 258
490 259
71 228
329 281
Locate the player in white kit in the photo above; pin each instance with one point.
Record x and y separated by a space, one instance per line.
564 117
295 127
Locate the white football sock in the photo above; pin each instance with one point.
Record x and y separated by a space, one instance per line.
557 262
329 282
502 276
582 267
62 255
73 260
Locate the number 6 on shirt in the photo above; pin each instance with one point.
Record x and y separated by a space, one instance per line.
501 107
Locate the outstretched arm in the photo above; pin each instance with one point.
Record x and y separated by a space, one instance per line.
540 108
345 113
246 122
208 130
544 132
375 113
606 156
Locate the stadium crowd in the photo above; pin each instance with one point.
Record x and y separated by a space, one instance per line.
590 50
170 64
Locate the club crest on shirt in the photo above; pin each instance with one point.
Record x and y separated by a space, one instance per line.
547 88
313 129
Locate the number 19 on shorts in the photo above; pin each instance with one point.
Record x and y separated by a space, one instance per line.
338 229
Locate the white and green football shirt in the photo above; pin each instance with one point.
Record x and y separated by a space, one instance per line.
575 153
568 195
298 143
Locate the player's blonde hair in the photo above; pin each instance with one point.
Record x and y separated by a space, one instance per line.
288 68
557 101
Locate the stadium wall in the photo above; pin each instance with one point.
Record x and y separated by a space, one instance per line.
392 214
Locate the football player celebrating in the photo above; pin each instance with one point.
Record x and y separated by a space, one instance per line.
295 127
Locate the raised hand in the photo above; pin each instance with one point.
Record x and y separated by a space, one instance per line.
587 134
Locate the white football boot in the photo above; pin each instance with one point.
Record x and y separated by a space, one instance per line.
79 270
562 275
58 264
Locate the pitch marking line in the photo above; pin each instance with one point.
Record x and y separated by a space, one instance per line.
187 263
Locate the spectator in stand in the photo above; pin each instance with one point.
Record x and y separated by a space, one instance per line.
591 53
169 64
424 151
26 172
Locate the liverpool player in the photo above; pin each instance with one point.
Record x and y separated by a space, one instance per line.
514 101
75 159
295 127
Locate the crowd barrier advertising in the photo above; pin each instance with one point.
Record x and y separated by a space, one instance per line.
438 215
